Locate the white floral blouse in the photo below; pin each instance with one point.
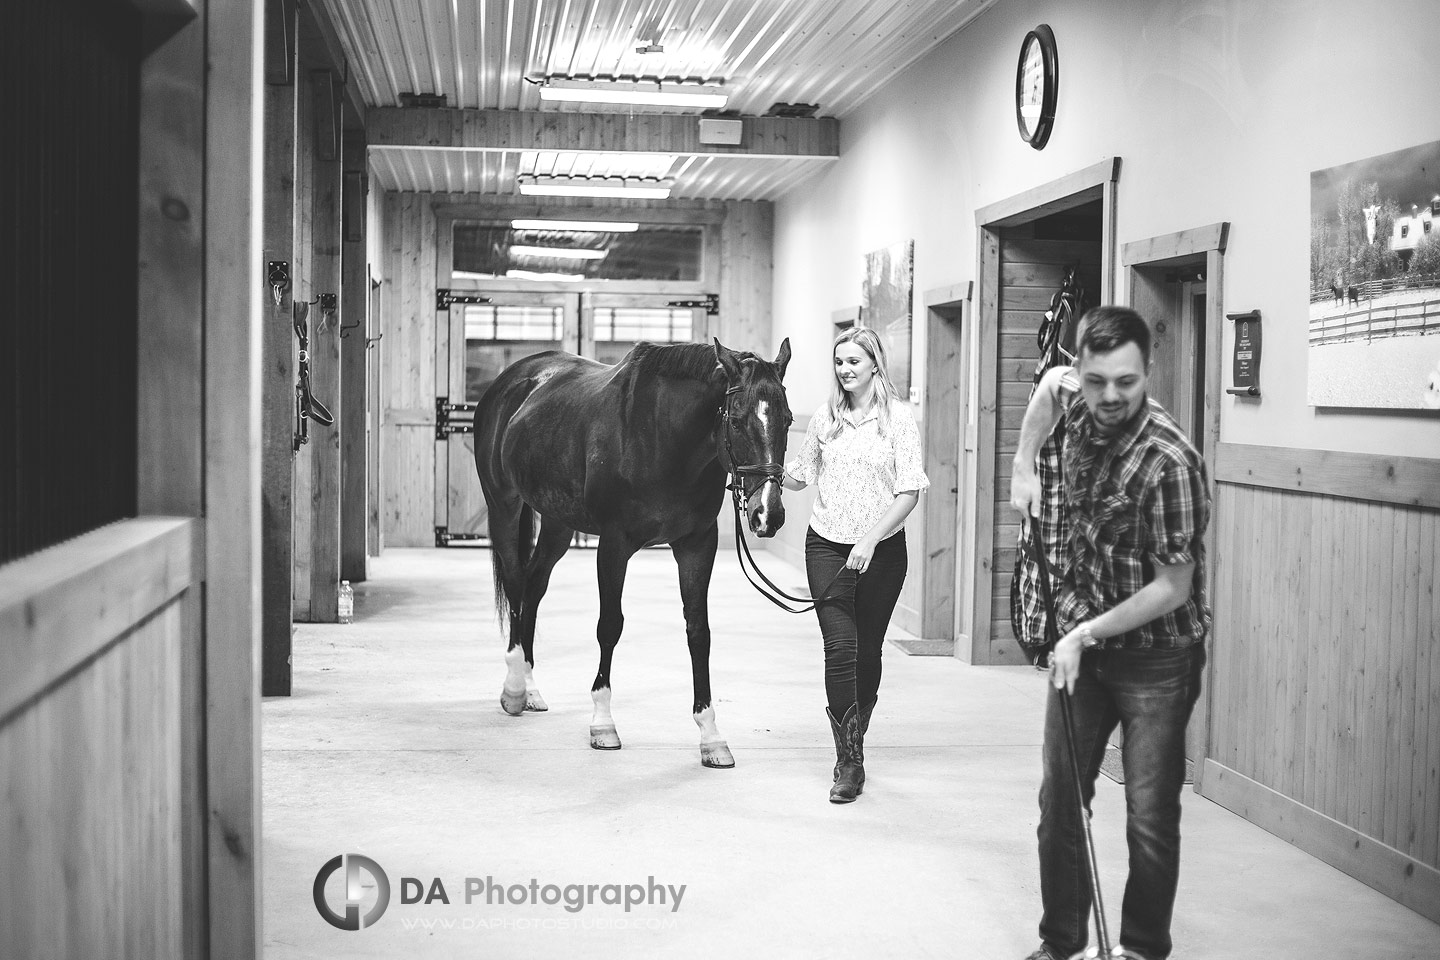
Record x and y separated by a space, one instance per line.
860 471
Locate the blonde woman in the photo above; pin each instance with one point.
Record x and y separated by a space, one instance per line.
862 451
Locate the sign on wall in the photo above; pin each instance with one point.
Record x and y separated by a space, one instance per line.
1375 281
885 305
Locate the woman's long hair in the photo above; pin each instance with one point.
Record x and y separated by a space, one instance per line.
882 392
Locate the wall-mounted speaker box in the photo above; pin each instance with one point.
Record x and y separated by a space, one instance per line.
721 132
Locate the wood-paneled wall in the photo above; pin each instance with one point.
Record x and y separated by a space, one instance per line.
1325 690
102 819
414 330
1030 273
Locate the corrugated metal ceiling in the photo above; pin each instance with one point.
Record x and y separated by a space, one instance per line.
480 54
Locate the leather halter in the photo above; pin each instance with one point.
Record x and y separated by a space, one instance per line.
771 472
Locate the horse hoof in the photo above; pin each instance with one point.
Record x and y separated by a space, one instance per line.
512 703
534 702
716 755
604 737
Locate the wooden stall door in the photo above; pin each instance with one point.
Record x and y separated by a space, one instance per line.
1030 272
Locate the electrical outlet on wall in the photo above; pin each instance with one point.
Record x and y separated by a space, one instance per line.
914 394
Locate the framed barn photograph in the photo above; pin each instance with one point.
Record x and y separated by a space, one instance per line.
1375 282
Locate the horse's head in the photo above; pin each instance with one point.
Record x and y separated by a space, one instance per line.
755 423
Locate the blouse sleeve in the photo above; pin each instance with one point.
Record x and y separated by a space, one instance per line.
905 437
806 465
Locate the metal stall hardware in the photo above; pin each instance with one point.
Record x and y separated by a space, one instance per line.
445 297
453 418
711 304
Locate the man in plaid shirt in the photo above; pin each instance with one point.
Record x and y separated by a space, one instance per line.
1133 616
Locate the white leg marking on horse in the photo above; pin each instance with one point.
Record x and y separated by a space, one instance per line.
512 694
714 751
534 702
602 726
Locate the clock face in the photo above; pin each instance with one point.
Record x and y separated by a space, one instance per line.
1036 84
1032 86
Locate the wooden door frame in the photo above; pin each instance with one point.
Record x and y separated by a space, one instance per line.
1188 246
1096 182
947 427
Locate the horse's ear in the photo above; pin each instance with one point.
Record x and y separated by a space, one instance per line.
727 360
782 359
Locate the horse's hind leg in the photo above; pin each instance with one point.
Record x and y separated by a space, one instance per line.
695 556
510 525
550 546
612 557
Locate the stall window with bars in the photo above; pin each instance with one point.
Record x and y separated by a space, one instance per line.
656 324
493 322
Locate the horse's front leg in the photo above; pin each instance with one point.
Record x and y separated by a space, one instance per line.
695 556
612 557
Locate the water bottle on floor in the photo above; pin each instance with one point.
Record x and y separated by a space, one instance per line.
347 602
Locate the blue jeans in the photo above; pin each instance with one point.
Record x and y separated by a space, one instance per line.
853 624
1150 693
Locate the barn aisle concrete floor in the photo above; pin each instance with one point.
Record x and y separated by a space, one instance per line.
394 746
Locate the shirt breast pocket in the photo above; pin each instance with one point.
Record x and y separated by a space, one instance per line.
1117 521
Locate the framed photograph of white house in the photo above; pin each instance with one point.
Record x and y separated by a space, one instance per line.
1375 282
885 305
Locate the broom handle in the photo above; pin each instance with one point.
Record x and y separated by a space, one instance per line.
1052 631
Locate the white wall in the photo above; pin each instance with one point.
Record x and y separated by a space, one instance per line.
1220 109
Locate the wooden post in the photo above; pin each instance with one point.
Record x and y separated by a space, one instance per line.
277 429
325 360
171 390
233 312
355 315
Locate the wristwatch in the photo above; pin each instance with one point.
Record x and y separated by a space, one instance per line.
1087 639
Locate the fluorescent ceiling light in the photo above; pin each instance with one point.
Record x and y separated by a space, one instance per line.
562 253
613 187
533 275
576 226
636 93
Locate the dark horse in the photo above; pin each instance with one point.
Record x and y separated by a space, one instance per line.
636 453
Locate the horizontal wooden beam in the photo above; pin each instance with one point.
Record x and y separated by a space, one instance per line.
1392 872
1157 251
1066 193
63 605
511 130
1412 481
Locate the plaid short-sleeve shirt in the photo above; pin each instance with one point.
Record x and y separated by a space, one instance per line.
1133 501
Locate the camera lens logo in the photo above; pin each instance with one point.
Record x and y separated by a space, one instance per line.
355 892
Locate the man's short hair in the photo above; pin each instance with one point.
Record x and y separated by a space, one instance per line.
1106 328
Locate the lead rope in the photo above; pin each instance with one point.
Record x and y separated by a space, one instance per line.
1052 637
742 545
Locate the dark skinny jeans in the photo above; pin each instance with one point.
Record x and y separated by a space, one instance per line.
853 624
1150 694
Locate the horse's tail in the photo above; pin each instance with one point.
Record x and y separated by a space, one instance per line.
524 546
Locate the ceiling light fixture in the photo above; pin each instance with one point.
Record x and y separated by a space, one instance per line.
576 226
558 253
612 187
652 93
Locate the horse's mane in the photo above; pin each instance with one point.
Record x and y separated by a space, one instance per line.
685 361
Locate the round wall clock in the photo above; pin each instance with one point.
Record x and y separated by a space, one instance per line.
1037 80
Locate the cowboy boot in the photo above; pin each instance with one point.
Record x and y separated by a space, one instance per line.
850 754
865 713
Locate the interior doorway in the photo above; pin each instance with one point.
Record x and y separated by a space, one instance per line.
1176 282
1027 245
